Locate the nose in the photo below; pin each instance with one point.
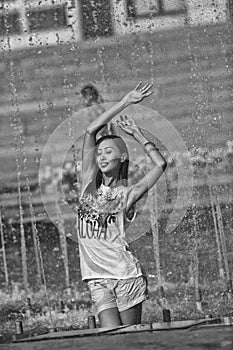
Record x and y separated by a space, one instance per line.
102 156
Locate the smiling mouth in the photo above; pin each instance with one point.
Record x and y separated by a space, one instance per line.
103 164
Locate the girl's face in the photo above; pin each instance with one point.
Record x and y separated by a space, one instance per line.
109 156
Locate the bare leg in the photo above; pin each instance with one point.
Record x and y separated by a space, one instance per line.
132 315
110 318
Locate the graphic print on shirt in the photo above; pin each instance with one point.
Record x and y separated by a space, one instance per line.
100 215
94 229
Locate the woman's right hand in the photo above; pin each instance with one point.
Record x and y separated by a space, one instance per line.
128 125
138 94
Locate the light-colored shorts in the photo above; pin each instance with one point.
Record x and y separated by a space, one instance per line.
123 294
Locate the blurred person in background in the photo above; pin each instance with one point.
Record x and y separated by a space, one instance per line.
92 98
91 95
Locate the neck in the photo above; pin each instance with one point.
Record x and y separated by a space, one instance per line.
109 180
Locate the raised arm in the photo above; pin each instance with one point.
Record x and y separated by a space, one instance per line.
134 96
88 152
136 191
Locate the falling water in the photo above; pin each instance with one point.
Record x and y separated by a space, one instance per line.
61 225
100 55
219 252
100 49
227 64
15 123
4 251
201 107
151 57
135 57
18 145
222 238
20 152
153 192
36 241
196 78
153 205
195 255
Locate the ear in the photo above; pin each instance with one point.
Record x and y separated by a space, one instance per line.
123 157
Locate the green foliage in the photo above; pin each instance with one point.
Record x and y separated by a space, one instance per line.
69 312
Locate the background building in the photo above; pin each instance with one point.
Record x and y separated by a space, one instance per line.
51 49
25 23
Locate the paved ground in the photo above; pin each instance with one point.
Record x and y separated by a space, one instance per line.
211 337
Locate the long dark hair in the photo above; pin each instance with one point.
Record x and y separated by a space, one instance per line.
124 166
123 171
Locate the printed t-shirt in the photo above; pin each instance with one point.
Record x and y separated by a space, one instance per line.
104 253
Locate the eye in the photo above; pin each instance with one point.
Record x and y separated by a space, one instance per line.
108 151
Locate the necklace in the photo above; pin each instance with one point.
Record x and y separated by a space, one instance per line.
101 204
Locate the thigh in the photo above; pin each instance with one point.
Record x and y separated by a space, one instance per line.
130 293
110 318
102 296
132 315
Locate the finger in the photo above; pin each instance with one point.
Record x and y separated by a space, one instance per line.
125 119
138 86
146 88
129 119
119 124
149 93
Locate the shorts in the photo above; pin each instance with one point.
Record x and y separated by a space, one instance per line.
123 293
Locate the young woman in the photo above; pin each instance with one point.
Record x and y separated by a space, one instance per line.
113 275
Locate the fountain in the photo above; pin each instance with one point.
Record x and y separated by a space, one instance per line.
184 225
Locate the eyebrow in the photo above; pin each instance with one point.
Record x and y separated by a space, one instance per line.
105 148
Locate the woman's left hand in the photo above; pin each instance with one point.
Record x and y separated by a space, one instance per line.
128 125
